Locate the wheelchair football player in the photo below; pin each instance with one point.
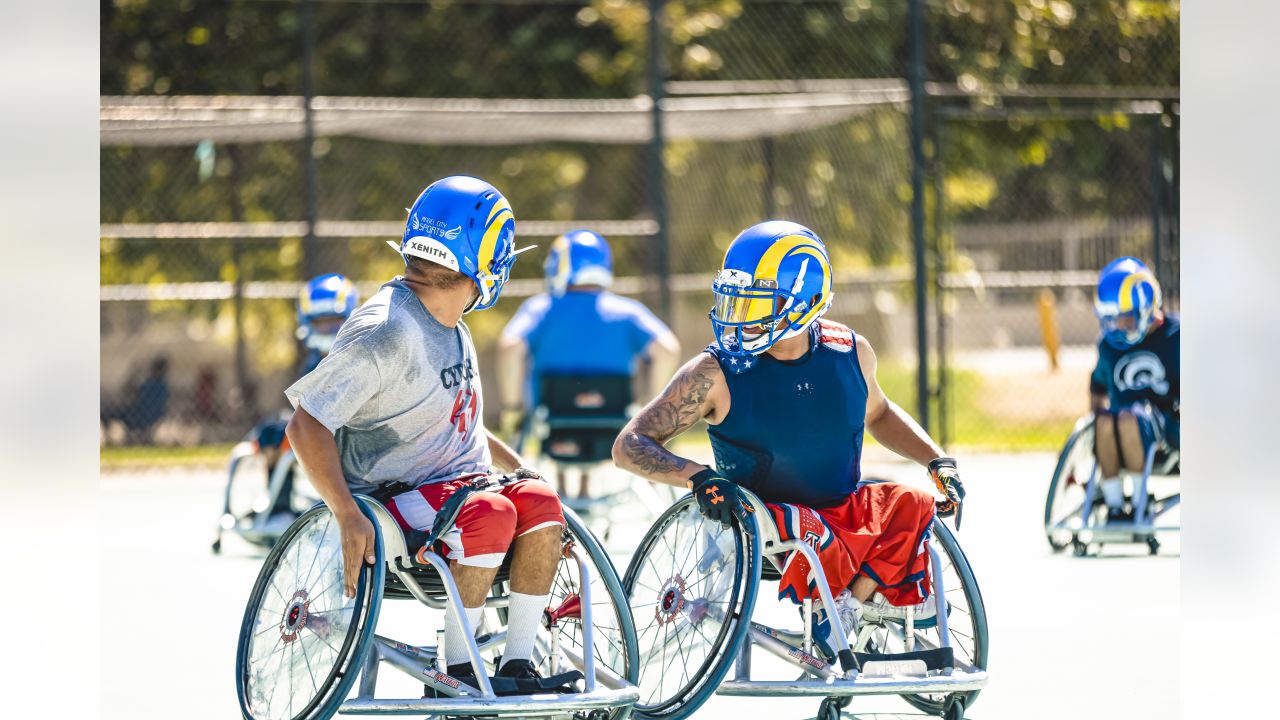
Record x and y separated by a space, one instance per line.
1133 433
304 645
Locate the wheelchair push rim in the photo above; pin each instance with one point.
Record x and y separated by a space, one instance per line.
687 574
1064 505
966 621
301 638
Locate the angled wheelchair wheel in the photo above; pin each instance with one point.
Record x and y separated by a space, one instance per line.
302 641
967 623
614 631
1064 505
692 587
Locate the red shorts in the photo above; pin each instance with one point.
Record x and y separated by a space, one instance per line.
880 531
489 520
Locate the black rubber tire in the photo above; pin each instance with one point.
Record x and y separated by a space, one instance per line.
724 647
356 640
1080 440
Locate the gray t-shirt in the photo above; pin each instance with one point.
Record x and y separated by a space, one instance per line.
401 393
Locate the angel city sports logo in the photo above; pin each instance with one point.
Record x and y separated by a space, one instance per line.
431 226
1141 371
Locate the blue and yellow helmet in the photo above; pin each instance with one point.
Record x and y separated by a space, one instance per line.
1126 302
578 257
774 282
466 225
323 304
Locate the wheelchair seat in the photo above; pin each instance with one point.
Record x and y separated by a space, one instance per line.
581 415
427 576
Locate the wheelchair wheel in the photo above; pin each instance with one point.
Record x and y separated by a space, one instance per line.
302 640
692 587
614 641
967 623
1066 498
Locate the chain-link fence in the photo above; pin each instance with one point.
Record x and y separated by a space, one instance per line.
213 215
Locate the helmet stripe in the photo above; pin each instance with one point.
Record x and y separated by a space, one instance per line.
498 217
1126 295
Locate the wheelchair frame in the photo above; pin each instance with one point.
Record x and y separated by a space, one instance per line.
880 675
604 690
257 530
1079 522
851 678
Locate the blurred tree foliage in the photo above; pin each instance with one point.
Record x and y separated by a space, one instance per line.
849 181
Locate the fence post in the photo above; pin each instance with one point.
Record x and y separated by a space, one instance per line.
1157 202
656 167
915 74
309 263
941 264
767 147
247 398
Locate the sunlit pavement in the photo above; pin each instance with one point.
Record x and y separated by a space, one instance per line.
1070 637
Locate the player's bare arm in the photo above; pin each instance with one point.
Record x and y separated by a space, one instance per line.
317 452
696 392
889 424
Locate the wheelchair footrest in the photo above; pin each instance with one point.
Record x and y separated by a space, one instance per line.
538 704
945 682
530 686
919 662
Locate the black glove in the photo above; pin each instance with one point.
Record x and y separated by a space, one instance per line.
947 479
718 499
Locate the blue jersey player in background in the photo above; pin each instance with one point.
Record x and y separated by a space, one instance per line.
578 327
1134 390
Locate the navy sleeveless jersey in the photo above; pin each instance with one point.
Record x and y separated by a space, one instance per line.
794 429
1147 371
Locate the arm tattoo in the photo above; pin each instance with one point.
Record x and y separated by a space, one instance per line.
676 410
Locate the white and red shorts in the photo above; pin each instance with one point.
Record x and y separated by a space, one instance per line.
489 520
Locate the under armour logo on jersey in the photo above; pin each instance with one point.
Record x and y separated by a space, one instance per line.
1140 371
463 416
804 389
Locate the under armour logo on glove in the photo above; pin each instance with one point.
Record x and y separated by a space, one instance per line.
718 499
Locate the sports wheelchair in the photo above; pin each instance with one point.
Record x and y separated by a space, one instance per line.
577 419
303 643
260 503
1075 513
693 587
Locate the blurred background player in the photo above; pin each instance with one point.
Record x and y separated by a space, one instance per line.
323 305
1134 389
579 329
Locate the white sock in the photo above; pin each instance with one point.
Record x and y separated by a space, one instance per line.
455 640
524 618
1113 492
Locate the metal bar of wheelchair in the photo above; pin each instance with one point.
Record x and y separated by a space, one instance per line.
939 596
452 597
588 620
1140 487
847 660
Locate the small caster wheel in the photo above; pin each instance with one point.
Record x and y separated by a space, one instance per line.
1079 549
954 708
1153 546
831 707
216 547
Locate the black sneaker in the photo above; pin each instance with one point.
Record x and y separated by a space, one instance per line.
1119 515
461 672
520 677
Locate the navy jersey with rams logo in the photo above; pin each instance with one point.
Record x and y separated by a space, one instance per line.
794 429
1148 371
